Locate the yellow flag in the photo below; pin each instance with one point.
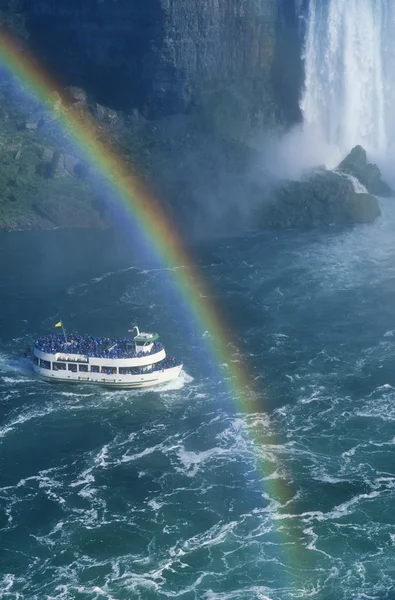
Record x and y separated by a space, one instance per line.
59 324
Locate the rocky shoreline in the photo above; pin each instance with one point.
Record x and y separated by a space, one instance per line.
202 176
181 119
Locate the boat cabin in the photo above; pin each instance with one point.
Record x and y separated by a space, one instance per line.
145 341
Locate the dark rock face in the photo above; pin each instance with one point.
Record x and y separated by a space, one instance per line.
323 199
164 56
102 46
356 164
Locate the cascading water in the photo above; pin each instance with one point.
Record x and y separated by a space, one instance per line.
349 95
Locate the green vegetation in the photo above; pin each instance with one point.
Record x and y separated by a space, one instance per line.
30 200
36 189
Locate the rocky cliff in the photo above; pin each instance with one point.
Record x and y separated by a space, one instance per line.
176 87
240 58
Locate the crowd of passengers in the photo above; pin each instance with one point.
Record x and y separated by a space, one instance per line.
91 346
167 363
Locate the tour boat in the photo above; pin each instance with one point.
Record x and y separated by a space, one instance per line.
125 363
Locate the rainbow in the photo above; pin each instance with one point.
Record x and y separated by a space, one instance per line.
159 231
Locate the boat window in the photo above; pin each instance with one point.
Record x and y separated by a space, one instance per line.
72 368
58 366
95 369
83 368
129 371
126 371
109 370
45 364
35 360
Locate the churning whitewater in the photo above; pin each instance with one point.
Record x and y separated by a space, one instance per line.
349 93
161 494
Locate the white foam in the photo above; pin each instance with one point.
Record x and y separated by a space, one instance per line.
86 477
23 418
15 380
94 280
385 386
313 539
75 395
176 384
337 512
132 457
193 461
258 592
330 479
350 452
101 460
155 505
7 583
212 537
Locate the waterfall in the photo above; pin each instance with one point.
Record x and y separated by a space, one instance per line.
349 95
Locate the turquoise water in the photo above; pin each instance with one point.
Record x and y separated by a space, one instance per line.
161 494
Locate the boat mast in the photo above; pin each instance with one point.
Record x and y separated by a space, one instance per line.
134 328
64 333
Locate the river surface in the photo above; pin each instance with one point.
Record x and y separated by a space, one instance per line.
164 494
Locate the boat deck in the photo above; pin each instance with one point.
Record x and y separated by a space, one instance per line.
93 347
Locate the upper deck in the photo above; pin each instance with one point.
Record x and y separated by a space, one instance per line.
94 347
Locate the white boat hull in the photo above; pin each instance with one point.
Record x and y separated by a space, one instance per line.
125 382
112 363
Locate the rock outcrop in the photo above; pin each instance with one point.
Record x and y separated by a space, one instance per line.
320 200
356 164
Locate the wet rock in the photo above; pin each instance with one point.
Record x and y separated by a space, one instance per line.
77 94
103 113
320 200
356 164
48 154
